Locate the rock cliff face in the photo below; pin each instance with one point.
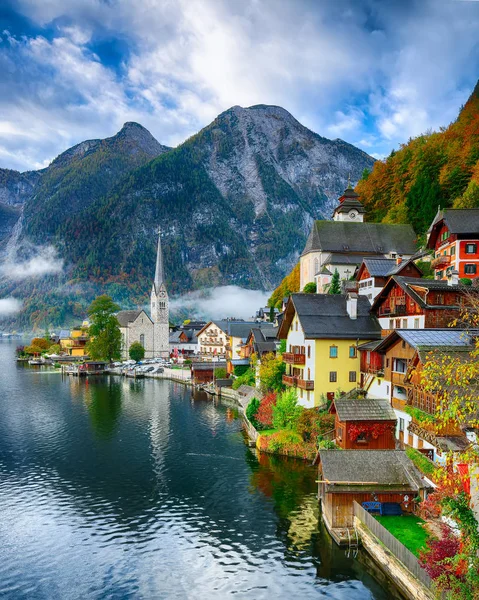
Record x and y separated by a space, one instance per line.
235 203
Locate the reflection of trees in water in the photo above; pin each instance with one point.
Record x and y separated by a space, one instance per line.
104 406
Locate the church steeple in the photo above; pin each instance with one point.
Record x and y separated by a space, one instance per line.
349 207
159 275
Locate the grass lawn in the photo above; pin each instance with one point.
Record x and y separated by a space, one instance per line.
408 530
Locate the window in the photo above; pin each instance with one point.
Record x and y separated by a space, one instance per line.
470 269
309 351
353 352
387 363
309 374
440 298
142 340
316 266
416 323
362 439
444 253
398 323
333 376
401 424
439 275
453 250
391 323
333 352
404 323
387 390
340 434
296 325
471 248
352 376
399 365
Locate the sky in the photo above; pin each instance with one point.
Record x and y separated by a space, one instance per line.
370 72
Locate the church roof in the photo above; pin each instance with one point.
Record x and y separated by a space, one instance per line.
366 238
127 316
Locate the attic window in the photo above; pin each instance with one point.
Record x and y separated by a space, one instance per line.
345 247
379 248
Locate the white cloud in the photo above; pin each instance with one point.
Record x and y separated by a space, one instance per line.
9 307
44 262
221 302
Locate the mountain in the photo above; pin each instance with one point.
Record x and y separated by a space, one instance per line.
235 203
435 169
15 189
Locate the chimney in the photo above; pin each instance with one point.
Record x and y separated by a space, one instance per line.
399 259
352 305
453 278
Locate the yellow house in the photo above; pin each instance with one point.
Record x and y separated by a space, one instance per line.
322 333
74 342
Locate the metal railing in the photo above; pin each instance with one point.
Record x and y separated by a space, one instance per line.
405 556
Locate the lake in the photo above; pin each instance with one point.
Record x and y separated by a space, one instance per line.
114 488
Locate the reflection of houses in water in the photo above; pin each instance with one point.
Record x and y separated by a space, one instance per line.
304 523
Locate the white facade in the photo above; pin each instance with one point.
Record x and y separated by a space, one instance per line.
212 341
367 287
296 338
412 322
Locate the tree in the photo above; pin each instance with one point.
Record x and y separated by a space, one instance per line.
136 351
104 330
271 372
286 411
271 314
335 285
310 288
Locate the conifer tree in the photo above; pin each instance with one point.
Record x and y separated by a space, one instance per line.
335 285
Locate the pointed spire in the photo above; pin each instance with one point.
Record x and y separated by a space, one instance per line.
349 186
159 264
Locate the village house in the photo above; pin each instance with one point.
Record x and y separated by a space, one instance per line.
322 333
342 244
212 340
151 331
364 423
454 237
184 342
73 342
259 342
238 333
265 313
404 354
387 477
373 274
413 303
206 371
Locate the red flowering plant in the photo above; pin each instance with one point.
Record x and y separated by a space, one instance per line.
264 415
369 430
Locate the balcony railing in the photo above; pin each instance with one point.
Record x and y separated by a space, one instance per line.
440 262
305 384
294 359
394 310
290 380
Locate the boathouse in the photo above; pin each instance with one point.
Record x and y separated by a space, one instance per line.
382 477
364 424
205 372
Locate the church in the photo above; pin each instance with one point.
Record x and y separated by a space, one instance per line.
342 244
152 331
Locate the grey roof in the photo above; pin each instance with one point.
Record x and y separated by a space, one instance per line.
383 267
430 339
369 345
264 339
459 220
242 329
366 238
364 409
325 316
159 272
374 469
343 259
208 366
127 316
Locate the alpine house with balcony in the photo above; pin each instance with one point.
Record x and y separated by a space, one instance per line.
373 273
322 334
412 303
405 353
454 237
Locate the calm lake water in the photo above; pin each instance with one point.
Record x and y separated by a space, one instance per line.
121 489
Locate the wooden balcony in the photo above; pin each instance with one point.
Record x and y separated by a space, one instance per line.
440 262
305 384
398 404
290 380
397 378
294 359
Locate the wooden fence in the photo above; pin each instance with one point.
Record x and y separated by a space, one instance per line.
405 556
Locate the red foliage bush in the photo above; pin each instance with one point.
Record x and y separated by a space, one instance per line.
264 414
438 559
369 431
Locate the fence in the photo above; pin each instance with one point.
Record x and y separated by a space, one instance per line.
405 556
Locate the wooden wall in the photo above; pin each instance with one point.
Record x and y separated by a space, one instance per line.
386 441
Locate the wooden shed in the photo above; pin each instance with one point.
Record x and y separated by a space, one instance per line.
364 423
205 372
345 476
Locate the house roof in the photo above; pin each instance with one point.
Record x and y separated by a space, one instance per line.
208 366
127 316
364 409
343 259
324 316
364 470
459 221
366 238
430 339
385 267
264 339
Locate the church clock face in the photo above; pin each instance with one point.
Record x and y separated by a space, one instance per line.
353 214
162 294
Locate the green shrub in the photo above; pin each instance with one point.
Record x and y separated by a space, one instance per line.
313 422
310 288
246 379
286 411
465 281
251 411
326 444
282 439
220 373
136 351
426 466
240 370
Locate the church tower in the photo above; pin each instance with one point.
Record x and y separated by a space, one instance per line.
159 306
350 208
